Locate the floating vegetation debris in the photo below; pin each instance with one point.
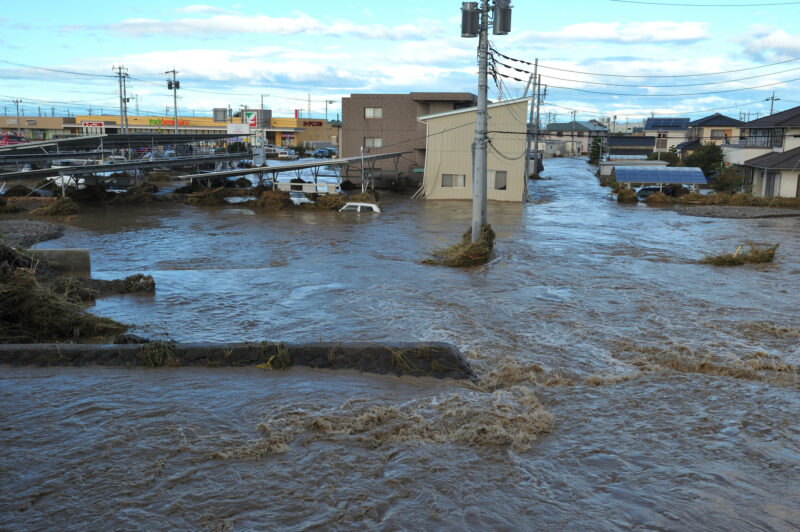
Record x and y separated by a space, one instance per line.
627 195
512 418
271 199
659 198
466 253
31 312
741 199
753 255
157 355
19 191
7 207
207 198
60 207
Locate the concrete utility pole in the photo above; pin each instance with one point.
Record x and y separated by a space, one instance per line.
534 78
174 84
327 137
475 23
536 124
772 102
17 102
572 148
122 105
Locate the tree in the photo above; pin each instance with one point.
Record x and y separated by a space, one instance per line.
708 157
596 151
669 156
730 180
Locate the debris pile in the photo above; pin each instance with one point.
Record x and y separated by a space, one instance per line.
466 253
755 254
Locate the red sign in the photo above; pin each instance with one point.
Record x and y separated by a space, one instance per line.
312 123
92 124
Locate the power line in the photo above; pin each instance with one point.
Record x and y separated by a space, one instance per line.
646 75
59 71
648 86
659 95
703 5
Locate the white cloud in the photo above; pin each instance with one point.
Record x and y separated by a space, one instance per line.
230 24
774 45
631 32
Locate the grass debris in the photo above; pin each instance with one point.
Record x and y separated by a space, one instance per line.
271 199
755 254
627 195
31 312
659 198
207 198
158 355
466 253
60 207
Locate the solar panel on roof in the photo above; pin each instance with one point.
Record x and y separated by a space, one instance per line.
659 174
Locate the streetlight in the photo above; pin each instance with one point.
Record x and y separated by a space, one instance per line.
475 23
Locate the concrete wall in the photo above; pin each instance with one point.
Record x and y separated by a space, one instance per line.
449 151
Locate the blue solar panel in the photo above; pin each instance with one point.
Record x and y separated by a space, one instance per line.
659 174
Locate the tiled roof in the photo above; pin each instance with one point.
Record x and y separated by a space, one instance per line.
788 160
787 118
716 120
666 124
688 145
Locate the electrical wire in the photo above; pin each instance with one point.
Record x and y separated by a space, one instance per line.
703 5
59 71
493 50
648 86
659 95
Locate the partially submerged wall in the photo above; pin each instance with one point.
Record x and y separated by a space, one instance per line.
435 359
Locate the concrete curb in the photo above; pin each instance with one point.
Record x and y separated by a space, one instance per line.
433 359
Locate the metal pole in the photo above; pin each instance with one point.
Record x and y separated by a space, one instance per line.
572 148
125 100
175 98
363 188
17 102
479 171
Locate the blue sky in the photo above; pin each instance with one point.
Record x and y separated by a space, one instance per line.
232 53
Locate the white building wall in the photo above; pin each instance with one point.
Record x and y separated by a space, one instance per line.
449 151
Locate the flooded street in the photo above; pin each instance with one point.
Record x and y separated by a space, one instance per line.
623 384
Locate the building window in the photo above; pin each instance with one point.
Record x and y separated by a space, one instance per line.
497 179
373 142
717 133
559 133
580 133
373 112
661 144
454 180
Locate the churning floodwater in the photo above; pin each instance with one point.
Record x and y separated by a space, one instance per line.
623 385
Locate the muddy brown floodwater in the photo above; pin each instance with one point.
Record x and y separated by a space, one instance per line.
623 384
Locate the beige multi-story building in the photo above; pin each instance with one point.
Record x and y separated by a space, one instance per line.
386 123
448 162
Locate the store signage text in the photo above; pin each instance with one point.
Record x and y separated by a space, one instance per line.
167 122
92 124
312 123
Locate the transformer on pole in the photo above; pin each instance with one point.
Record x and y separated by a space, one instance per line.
475 23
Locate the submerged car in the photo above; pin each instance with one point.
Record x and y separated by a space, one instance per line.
357 206
298 198
287 155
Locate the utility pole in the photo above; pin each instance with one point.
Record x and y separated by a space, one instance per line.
772 102
534 78
53 111
120 74
309 105
536 125
327 137
263 133
475 23
174 84
572 148
17 102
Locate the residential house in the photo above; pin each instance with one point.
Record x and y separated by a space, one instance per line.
776 174
448 153
776 132
717 129
578 135
667 131
768 150
385 123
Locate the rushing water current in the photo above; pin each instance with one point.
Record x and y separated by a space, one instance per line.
623 385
